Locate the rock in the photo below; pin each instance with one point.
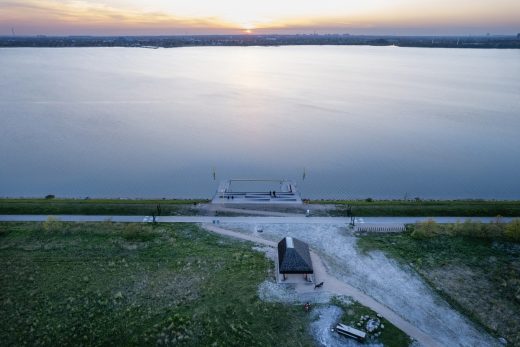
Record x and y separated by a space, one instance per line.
372 324
118 295
502 340
379 315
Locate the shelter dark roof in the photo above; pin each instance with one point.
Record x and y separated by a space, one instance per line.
294 257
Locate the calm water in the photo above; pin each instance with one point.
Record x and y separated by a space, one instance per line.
363 121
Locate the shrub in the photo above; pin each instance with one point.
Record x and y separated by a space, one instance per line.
50 196
468 228
495 231
137 232
425 229
513 230
52 224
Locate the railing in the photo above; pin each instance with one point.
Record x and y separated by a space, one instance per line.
380 229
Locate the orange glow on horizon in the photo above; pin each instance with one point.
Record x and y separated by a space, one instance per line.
267 16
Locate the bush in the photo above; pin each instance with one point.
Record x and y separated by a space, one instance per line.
50 196
426 229
513 230
469 228
52 224
137 232
493 230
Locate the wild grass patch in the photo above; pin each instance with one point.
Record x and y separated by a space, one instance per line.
474 270
184 288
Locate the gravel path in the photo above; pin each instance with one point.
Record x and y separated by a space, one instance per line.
335 286
384 281
286 219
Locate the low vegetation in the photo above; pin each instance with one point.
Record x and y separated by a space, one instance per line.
49 206
133 284
474 266
418 207
495 230
367 207
357 316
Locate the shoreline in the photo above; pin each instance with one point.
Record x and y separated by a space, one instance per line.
265 40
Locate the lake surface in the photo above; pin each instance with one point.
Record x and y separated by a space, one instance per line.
380 122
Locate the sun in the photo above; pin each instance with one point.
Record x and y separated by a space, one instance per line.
247 26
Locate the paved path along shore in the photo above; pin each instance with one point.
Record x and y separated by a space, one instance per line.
335 286
246 220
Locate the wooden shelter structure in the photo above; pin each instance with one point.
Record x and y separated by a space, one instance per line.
294 257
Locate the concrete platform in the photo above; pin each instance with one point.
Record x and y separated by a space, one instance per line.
251 191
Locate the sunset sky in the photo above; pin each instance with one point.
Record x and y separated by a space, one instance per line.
166 17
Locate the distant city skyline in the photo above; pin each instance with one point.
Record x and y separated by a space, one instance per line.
163 17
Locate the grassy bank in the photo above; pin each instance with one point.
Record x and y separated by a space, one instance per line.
366 207
98 206
456 208
480 276
129 284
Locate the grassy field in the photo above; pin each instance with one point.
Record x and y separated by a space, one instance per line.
131 284
98 206
462 208
478 276
457 208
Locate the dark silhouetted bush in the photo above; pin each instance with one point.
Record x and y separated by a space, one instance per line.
513 230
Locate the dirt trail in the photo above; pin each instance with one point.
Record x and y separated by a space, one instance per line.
335 286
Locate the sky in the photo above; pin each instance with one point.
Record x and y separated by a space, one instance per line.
172 17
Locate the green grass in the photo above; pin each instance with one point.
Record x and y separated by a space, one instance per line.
390 335
97 206
456 208
480 277
435 251
120 284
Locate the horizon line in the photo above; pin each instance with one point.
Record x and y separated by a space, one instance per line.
259 34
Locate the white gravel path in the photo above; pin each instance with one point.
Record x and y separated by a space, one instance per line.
377 282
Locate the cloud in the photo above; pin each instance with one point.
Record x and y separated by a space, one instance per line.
53 16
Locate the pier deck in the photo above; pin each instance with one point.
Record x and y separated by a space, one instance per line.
234 191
